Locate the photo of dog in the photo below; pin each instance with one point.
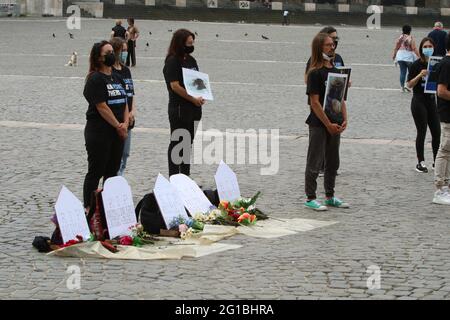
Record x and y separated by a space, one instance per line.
73 61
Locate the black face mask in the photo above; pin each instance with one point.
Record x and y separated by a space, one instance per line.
188 50
335 44
110 59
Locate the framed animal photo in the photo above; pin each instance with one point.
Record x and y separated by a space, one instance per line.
197 84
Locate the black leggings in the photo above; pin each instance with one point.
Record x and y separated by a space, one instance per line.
104 149
179 161
425 114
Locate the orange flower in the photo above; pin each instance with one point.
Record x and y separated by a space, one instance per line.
252 218
224 204
243 217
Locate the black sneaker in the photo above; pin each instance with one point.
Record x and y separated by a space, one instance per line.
421 167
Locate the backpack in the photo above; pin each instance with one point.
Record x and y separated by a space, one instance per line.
150 216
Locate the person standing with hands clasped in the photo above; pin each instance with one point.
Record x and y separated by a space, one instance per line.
120 51
324 130
423 105
107 118
184 110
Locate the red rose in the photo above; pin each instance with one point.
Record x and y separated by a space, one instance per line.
126 241
70 243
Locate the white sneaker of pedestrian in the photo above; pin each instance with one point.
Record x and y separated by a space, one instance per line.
442 196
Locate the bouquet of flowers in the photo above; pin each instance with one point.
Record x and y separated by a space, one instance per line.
186 227
138 237
241 211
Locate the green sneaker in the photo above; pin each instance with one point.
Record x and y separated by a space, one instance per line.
315 205
335 202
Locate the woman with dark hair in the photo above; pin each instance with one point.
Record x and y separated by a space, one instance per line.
107 118
120 51
325 128
405 53
184 110
423 105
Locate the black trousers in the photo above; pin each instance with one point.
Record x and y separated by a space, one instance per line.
322 146
104 150
425 114
131 53
182 133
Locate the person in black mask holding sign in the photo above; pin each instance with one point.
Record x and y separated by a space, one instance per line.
107 118
184 110
325 126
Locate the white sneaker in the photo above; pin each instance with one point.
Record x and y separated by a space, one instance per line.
442 196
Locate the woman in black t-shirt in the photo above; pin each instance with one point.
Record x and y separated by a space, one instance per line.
423 105
184 110
120 51
107 118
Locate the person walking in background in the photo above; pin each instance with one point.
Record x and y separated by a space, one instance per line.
423 105
438 35
442 169
405 53
119 31
133 35
184 110
120 51
107 118
324 130
285 18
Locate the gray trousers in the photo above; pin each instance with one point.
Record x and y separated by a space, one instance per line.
323 148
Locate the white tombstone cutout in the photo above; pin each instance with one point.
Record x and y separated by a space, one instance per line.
193 197
169 201
227 183
71 217
119 207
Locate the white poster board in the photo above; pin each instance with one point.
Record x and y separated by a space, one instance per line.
119 207
227 183
432 77
168 200
193 197
334 96
71 216
197 84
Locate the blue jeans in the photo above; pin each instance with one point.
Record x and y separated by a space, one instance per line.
404 66
125 154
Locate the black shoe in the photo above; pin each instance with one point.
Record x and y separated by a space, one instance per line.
421 167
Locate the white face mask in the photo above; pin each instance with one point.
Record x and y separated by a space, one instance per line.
327 57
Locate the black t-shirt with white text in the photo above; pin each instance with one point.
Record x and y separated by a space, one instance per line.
443 71
125 74
316 85
173 72
105 88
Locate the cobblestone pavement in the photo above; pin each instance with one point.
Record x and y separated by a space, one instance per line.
257 84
